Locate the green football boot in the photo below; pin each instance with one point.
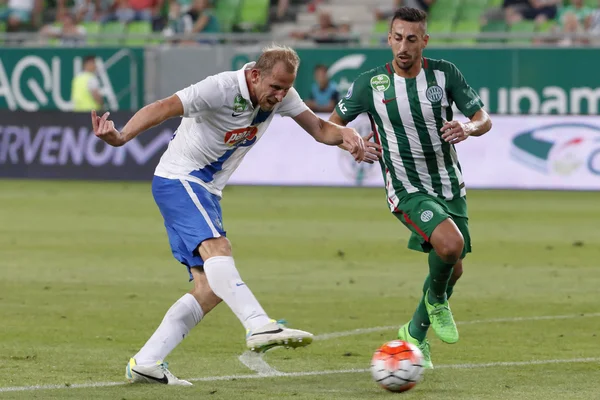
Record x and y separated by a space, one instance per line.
404 334
442 320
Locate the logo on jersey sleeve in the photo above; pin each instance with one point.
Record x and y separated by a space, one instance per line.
434 94
241 137
239 104
381 82
349 94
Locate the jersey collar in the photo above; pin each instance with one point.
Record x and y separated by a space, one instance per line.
242 81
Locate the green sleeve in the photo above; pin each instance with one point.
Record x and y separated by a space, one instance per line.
355 102
466 99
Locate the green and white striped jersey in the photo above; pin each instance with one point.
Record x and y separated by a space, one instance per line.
407 115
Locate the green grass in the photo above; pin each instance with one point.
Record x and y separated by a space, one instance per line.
86 275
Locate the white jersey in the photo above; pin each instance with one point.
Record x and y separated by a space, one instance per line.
218 128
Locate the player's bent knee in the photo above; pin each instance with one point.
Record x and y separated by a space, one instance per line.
451 249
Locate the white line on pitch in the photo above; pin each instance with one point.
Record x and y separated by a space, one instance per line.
255 362
308 373
361 331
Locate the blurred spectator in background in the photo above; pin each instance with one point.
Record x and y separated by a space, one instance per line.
281 10
537 10
572 19
198 19
324 32
595 21
578 10
85 88
136 10
383 13
19 13
323 93
510 11
83 10
68 32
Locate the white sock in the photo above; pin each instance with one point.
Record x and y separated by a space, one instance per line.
225 281
177 323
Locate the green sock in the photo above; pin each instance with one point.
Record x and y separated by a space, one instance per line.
419 323
440 273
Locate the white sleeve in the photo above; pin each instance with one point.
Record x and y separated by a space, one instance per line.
292 105
93 84
202 96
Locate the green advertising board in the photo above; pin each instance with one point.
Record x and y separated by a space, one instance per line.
35 79
509 80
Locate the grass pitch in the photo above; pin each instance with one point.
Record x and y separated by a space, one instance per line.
86 275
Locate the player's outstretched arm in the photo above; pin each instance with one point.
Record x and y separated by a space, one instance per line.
455 131
151 115
372 149
331 134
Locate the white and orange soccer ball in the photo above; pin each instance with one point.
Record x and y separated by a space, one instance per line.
397 366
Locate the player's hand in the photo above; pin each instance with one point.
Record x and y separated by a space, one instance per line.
455 132
372 149
353 143
105 130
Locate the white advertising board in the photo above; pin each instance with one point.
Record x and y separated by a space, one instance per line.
520 152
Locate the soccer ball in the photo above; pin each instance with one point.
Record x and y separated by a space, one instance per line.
397 366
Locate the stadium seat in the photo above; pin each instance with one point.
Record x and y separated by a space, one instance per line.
492 27
55 41
254 15
466 27
113 28
522 27
437 28
92 28
380 29
227 12
444 10
546 26
495 3
138 28
2 30
470 13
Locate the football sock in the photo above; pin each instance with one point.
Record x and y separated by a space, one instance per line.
440 273
225 281
419 324
177 323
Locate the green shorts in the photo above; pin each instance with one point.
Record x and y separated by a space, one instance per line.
422 213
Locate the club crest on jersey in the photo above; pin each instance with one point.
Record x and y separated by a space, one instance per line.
241 137
380 82
239 104
434 94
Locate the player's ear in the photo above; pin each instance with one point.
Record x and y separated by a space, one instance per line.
425 39
255 75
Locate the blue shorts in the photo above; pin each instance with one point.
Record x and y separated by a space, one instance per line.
192 214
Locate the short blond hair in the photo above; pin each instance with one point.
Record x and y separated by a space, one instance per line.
273 54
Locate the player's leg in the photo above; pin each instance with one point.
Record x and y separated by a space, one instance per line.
224 279
415 331
448 244
147 365
187 223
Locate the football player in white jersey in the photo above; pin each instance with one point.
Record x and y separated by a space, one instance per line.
223 116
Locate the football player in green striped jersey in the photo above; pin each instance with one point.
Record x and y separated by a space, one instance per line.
409 101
